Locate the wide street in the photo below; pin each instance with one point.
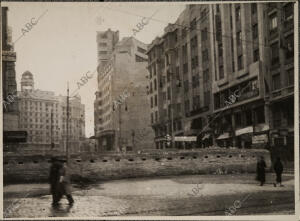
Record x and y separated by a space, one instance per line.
163 196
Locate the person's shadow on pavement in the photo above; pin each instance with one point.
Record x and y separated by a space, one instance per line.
60 210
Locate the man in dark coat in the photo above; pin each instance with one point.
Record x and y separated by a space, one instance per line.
54 180
278 167
65 183
260 170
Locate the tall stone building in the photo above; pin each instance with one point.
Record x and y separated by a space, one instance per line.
180 79
280 40
224 73
43 116
240 78
121 105
9 85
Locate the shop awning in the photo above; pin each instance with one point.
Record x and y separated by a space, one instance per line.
262 127
185 138
223 136
206 136
245 130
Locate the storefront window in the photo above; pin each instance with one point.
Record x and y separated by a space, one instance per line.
248 115
260 115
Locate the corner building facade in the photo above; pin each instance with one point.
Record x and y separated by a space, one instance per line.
225 73
122 115
180 79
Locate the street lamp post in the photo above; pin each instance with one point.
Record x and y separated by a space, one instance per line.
67 138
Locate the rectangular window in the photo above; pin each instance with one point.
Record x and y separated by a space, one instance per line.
151 102
273 22
277 117
187 106
186 86
221 72
217 101
205 55
196 102
259 115
195 81
237 13
156 116
220 49
102 44
183 33
254 31
193 24
248 115
169 93
240 62
204 34
238 120
178 107
155 100
253 8
206 75
164 96
206 98
276 82
290 74
238 38
288 11
140 59
274 53
289 49
256 55
185 68
142 50
155 84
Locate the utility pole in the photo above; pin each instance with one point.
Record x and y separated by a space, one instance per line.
172 116
51 127
120 128
67 140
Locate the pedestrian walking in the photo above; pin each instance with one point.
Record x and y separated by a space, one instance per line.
65 183
54 180
260 170
278 168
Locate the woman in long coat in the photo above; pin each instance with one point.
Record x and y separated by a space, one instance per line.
260 170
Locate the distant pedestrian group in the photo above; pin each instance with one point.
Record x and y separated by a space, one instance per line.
261 171
60 183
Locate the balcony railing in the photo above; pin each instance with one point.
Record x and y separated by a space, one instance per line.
248 95
199 110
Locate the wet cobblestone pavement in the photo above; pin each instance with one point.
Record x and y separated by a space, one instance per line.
165 196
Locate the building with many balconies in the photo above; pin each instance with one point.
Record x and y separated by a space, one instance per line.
225 73
280 40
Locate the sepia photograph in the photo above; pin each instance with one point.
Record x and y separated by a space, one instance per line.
143 109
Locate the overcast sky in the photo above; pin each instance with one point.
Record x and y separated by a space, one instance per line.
61 47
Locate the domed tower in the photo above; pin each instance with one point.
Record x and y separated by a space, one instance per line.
27 82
